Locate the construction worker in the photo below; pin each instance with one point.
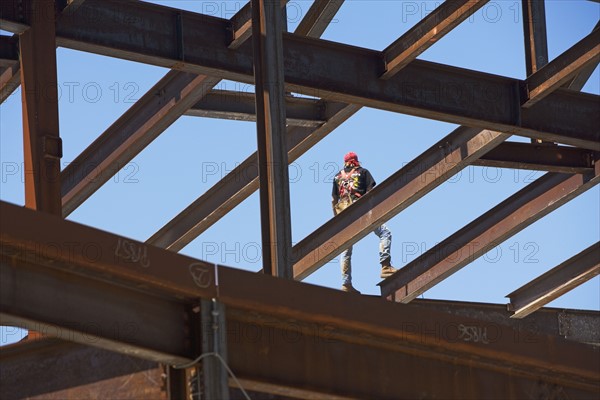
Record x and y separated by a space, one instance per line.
349 185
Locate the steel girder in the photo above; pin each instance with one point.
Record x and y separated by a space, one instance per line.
55 258
422 88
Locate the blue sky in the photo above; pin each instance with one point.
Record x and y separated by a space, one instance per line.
194 153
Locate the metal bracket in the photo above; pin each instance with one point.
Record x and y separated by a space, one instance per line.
52 147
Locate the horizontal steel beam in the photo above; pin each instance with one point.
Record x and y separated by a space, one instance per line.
67 370
422 88
154 112
81 367
241 106
32 247
539 157
403 188
562 68
576 325
554 283
427 32
472 241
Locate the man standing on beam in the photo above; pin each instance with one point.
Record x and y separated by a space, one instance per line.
349 185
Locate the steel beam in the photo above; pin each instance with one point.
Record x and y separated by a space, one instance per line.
241 25
80 367
238 185
271 137
241 106
579 81
432 28
41 140
154 112
403 188
318 17
561 69
260 308
57 369
576 325
9 50
554 283
10 79
484 233
16 15
539 157
534 32
422 88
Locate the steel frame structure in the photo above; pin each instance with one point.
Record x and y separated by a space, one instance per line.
283 338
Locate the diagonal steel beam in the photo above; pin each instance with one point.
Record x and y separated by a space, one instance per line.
539 157
10 80
154 112
403 188
318 17
579 81
239 184
484 233
562 68
432 28
554 283
422 88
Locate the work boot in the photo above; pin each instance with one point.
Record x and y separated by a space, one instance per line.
387 269
349 288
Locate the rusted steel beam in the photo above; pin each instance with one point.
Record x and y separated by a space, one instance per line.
16 15
362 369
41 139
561 69
241 106
333 320
9 50
318 17
10 79
427 32
273 177
154 112
241 25
79 367
239 184
403 188
506 219
50 368
453 94
540 157
576 325
534 33
579 81
554 283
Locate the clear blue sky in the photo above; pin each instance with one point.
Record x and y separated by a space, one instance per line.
194 153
